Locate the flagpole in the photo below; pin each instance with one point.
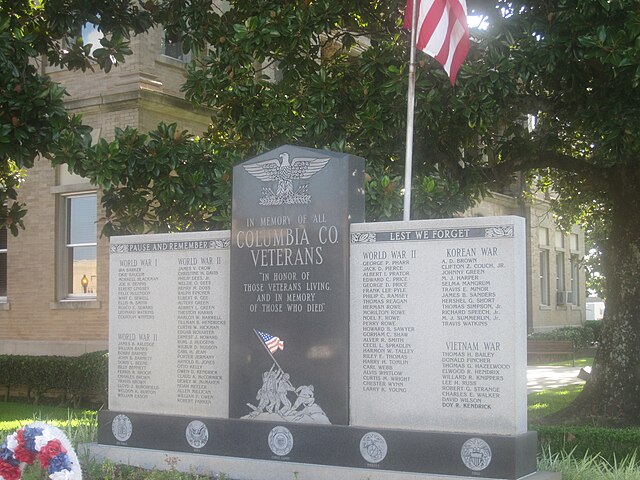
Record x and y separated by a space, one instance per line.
267 349
411 99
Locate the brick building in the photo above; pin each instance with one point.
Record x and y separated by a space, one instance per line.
54 294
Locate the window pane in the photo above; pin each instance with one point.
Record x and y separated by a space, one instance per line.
543 236
82 220
560 272
574 242
544 277
575 271
173 46
3 239
82 270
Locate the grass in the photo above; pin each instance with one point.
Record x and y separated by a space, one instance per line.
81 425
113 471
579 363
545 403
589 467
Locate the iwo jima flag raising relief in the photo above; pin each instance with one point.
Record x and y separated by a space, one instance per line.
274 396
289 280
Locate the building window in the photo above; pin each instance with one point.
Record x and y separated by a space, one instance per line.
573 242
543 237
172 47
559 240
561 286
543 241
3 265
544 277
80 265
560 283
89 33
575 272
574 245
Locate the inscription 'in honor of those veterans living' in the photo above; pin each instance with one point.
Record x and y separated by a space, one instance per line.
290 285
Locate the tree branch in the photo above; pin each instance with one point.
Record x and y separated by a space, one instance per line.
599 176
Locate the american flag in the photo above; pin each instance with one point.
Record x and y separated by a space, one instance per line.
272 343
442 31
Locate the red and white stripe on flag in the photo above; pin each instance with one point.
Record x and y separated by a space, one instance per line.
442 32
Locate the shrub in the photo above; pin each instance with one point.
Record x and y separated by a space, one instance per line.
596 328
76 377
582 337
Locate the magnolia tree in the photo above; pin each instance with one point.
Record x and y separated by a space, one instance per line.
33 120
330 74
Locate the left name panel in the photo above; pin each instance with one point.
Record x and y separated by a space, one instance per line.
169 324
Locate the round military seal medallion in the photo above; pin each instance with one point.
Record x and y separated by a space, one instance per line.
121 427
373 447
280 440
476 454
197 434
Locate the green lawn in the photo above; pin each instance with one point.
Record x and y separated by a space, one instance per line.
80 425
545 403
580 362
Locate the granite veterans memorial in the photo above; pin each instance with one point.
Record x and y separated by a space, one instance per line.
304 340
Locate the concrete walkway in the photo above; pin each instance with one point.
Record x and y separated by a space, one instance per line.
544 377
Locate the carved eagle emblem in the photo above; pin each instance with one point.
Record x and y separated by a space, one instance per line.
284 171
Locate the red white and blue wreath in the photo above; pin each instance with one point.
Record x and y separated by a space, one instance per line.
40 441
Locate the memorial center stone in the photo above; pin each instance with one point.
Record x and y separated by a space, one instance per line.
305 339
289 247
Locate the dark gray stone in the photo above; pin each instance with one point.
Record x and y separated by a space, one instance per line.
290 279
464 454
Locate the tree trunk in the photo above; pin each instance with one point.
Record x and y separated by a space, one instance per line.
612 394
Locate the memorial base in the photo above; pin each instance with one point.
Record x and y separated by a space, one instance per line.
229 445
247 469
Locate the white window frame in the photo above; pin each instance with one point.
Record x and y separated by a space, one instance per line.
561 269
561 284
64 277
545 280
574 267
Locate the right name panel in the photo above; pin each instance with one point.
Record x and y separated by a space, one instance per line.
438 325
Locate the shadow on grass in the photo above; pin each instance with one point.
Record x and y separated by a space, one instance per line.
541 404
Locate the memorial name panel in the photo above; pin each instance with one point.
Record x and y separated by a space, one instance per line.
437 325
168 323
